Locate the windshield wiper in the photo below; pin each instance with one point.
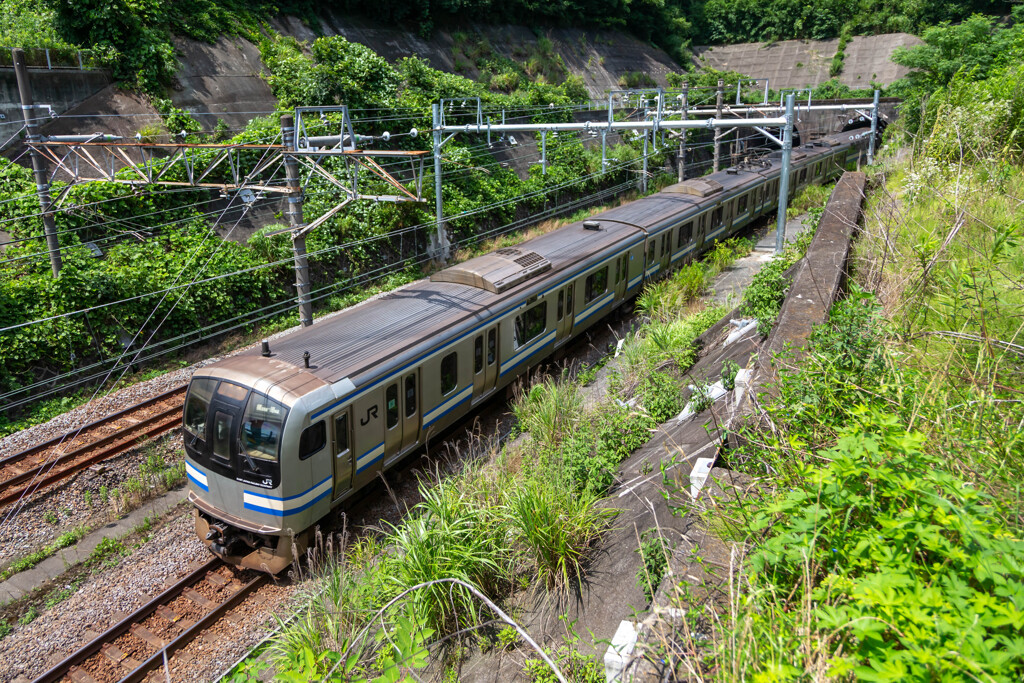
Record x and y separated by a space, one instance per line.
248 458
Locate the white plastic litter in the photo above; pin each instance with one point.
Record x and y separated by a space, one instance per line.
715 392
743 329
617 656
699 475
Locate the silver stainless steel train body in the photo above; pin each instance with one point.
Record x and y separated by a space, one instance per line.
276 437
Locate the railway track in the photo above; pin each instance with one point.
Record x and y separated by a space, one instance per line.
38 467
141 642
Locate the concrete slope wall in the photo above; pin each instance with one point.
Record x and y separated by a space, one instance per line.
600 57
803 63
62 89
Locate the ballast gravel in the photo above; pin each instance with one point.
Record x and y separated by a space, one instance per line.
101 600
77 502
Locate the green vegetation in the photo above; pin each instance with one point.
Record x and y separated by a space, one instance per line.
737 21
885 541
654 552
764 296
65 540
170 240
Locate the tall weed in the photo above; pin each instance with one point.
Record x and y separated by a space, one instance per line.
556 526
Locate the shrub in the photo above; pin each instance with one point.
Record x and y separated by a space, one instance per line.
911 572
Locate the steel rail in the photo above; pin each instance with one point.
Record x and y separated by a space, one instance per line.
109 446
187 636
20 455
96 644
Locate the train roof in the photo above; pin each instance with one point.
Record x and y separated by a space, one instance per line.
386 331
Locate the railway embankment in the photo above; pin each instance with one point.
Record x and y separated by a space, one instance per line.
661 537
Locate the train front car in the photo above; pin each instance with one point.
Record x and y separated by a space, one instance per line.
252 490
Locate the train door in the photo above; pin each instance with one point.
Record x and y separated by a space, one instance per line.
485 361
341 448
622 279
367 430
564 312
666 251
224 428
701 232
491 357
479 364
410 408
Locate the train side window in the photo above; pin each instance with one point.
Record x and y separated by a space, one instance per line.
492 347
597 283
561 304
410 395
742 205
802 177
478 354
685 234
391 405
666 241
449 373
570 299
261 428
198 404
650 251
618 271
625 266
716 217
341 434
530 324
312 439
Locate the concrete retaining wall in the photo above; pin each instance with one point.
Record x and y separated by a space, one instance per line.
803 63
62 89
819 275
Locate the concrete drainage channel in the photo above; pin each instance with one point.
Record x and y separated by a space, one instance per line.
816 285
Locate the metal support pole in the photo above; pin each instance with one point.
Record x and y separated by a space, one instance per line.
643 177
38 162
295 220
544 152
682 133
739 84
439 240
604 150
874 131
718 115
787 148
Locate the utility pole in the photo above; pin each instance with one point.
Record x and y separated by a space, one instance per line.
438 241
294 211
681 175
38 164
718 115
874 131
787 149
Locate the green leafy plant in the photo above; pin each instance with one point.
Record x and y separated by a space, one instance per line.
653 552
729 370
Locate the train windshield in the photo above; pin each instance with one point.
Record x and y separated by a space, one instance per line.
198 405
261 427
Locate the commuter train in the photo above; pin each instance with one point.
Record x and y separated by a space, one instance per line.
277 436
